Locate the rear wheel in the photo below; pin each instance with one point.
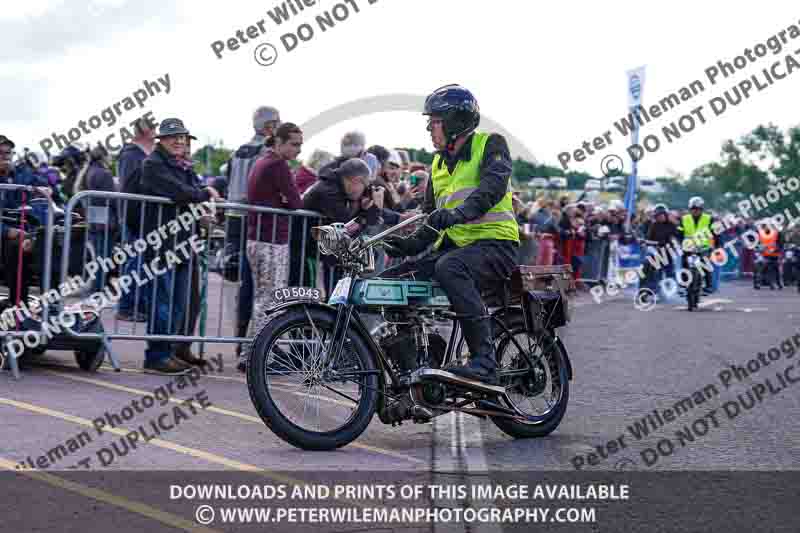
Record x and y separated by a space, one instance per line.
298 396
541 393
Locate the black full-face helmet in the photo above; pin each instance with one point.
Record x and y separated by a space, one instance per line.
458 109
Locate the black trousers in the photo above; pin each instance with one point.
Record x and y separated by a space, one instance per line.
769 272
462 273
708 276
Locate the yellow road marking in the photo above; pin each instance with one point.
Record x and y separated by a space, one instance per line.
235 414
161 443
99 495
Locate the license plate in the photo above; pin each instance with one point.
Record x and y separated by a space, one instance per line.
296 293
340 292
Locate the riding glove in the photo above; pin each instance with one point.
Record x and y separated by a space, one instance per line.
414 244
444 218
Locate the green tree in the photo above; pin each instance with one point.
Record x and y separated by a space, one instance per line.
209 159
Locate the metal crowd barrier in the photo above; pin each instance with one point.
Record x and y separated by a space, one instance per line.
118 203
27 193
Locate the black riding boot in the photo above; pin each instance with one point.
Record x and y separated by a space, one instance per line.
482 365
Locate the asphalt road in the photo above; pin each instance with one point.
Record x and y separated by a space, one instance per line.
627 363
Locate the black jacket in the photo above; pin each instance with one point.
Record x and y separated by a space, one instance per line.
131 158
327 196
99 178
663 232
163 176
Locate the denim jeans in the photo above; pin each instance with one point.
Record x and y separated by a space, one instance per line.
172 284
128 300
715 277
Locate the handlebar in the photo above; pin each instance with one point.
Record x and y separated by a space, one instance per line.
372 241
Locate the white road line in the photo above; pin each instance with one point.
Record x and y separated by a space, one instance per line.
713 301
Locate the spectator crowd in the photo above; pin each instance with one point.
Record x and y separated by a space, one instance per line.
376 184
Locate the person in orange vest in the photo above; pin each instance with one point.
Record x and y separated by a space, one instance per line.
771 242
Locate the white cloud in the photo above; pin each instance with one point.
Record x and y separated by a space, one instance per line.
553 73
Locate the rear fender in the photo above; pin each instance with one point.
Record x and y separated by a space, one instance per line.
507 314
564 351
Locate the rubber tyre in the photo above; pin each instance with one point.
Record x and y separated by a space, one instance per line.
520 430
271 414
90 360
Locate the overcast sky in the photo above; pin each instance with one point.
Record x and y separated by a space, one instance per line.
552 75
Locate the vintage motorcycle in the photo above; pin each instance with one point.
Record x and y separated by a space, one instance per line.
694 258
317 375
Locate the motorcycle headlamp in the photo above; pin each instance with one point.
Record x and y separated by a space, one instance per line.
331 238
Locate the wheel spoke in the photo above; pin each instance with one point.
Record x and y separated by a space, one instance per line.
523 384
299 388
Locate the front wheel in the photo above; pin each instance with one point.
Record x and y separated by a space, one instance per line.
541 392
304 400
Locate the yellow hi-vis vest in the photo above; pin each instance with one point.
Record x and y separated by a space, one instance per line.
698 235
450 191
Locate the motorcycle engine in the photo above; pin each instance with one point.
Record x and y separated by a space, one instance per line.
403 350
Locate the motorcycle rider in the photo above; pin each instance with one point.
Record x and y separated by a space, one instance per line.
695 229
771 241
662 230
469 201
